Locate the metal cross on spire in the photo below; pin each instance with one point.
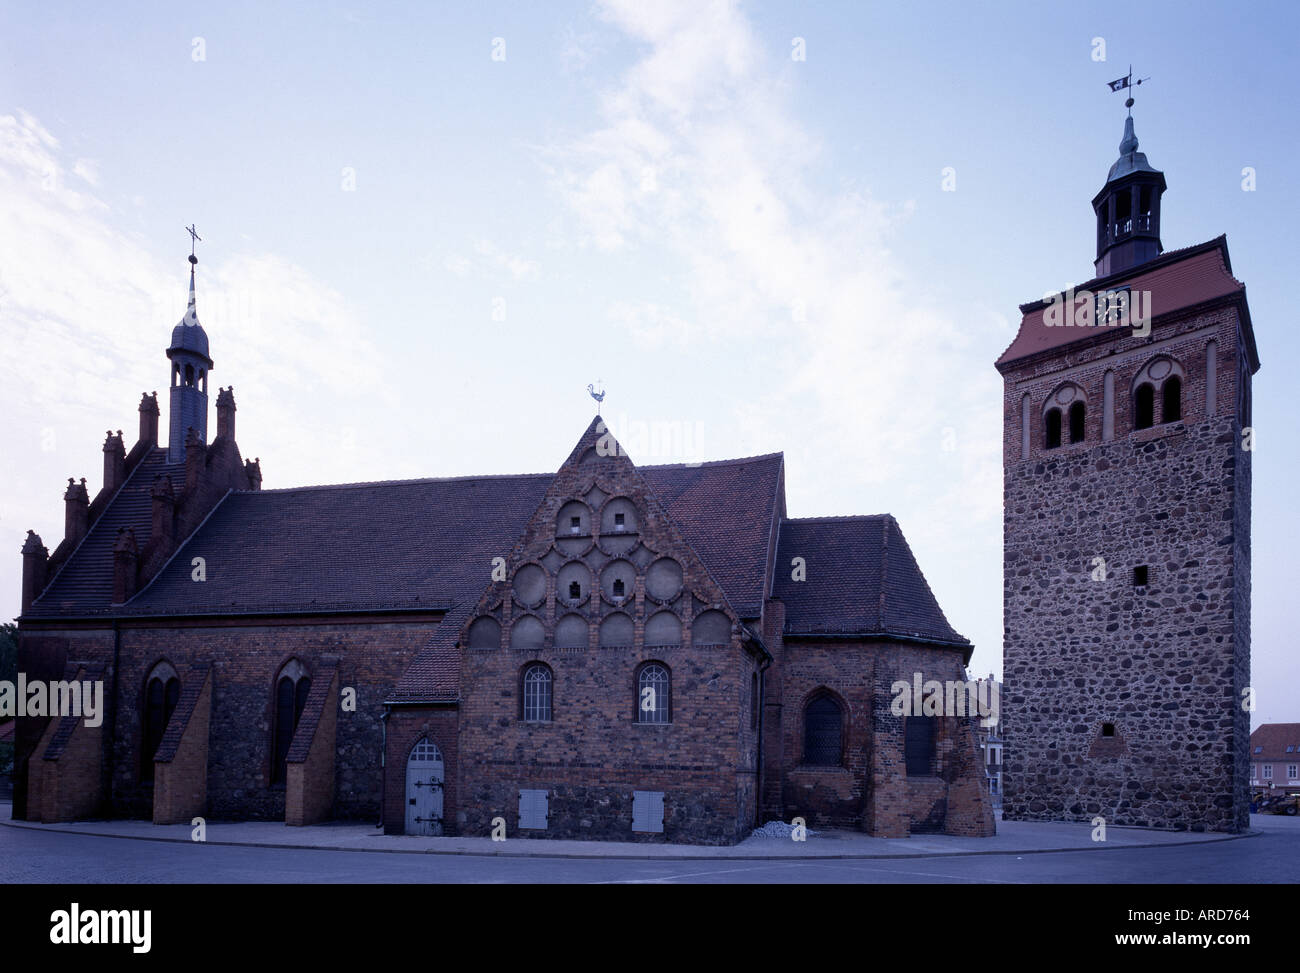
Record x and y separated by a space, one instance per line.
1119 84
194 237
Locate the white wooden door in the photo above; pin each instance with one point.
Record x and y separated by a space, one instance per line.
424 772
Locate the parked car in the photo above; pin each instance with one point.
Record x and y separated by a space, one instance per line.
1279 804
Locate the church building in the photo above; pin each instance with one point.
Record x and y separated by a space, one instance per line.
609 651
1127 469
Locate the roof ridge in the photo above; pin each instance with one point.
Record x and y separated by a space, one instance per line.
465 477
413 480
733 461
830 517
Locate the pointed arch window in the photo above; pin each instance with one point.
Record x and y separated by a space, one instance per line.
919 733
823 733
291 689
161 694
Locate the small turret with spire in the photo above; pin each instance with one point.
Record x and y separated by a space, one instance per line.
190 366
1128 206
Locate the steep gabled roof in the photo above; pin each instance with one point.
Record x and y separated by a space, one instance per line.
84 585
1176 280
725 511
726 508
861 581
394 545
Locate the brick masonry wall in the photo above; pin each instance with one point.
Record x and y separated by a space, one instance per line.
407 725
1165 664
871 790
594 753
246 660
44 655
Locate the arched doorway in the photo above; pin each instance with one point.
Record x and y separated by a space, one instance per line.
424 775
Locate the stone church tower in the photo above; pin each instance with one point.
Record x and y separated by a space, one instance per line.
1126 578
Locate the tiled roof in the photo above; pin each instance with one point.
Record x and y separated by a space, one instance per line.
430 543
861 580
84 585
1177 279
1275 738
726 511
434 674
402 544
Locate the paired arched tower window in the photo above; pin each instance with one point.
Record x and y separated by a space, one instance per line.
162 691
1064 416
291 688
1159 382
1156 397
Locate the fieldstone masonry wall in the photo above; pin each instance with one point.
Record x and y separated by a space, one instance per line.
1163 664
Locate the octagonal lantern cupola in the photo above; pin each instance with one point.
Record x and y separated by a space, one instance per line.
1128 209
189 379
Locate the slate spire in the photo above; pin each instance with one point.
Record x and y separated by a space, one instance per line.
189 379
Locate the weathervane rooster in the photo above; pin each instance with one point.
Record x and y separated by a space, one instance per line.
598 396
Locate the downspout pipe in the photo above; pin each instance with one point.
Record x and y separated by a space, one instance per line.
383 763
111 734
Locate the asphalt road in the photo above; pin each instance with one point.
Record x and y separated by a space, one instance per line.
29 856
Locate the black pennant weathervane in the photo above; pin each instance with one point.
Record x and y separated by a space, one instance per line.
1119 84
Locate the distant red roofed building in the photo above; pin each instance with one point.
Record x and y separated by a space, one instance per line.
1275 757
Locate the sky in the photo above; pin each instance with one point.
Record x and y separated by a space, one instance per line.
761 227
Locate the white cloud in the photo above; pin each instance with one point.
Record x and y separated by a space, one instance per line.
458 265
651 325
520 268
87 169
489 261
86 311
857 373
